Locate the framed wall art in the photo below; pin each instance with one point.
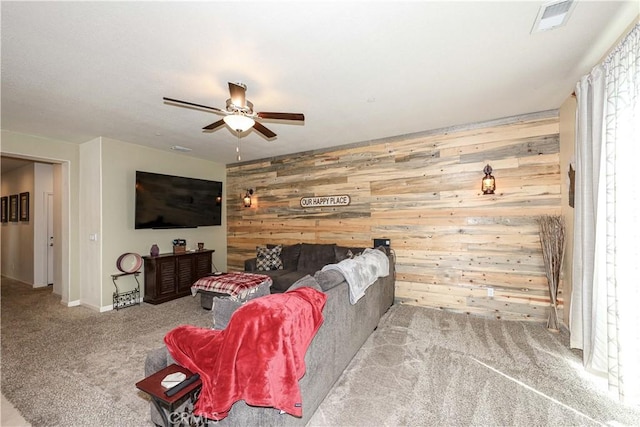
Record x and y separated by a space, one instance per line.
572 185
13 208
24 206
4 208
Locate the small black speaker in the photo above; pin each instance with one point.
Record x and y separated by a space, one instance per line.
381 242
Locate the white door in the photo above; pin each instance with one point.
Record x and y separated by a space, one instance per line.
50 238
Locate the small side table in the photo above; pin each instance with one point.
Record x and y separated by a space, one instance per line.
153 387
129 298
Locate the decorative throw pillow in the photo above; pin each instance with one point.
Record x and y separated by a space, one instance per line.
268 258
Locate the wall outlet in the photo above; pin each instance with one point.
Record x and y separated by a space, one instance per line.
489 292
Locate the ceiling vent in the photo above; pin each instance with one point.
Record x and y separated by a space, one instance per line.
553 15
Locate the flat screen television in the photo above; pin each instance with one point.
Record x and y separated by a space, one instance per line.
167 201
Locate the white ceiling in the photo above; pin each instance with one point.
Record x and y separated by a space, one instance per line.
359 71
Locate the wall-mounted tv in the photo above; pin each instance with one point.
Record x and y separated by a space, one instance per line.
167 201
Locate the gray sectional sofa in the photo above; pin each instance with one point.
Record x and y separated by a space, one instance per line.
344 330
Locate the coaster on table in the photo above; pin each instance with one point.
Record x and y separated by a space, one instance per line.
173 379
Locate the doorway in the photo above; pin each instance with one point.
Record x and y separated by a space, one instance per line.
55 245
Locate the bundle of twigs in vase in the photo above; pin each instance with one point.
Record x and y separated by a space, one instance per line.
552 241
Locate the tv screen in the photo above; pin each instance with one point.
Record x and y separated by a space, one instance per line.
167 201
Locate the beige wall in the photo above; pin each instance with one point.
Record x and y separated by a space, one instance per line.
91 201
118 203
423 192
567 156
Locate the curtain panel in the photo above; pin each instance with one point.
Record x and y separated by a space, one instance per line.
605 309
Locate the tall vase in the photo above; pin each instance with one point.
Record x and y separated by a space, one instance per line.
552 241
155 250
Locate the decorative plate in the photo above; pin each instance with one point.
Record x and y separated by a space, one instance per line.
129 262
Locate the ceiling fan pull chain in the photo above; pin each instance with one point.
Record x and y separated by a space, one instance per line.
238 147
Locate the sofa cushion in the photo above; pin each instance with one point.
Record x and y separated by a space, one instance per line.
268 258
328 279
284 281
307 281
315 256
289 255
274 274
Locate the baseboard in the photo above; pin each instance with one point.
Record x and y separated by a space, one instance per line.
106 308
91 306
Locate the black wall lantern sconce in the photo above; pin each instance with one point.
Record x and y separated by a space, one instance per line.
488 182
246 200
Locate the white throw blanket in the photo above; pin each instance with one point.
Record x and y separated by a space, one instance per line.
362 271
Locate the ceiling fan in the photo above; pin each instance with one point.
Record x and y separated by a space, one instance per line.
239 114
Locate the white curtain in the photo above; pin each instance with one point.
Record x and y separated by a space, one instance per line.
605 308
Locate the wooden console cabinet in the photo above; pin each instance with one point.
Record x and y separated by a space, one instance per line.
170 276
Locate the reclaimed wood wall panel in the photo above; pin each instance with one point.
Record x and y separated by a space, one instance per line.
452 243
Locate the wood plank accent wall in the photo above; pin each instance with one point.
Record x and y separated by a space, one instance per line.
451 242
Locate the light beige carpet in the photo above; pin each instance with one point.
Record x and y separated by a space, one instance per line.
425 367
75 367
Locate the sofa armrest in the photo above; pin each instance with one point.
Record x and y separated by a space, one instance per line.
157 359
250 265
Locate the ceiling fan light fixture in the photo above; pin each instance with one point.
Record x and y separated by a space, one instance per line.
239 122
239 115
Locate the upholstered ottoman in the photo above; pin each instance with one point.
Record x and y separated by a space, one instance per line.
228 291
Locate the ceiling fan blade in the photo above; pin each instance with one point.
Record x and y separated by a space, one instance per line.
263 130
282 116
177 101
214 126
238 94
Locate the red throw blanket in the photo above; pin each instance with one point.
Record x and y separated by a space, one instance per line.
258 358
